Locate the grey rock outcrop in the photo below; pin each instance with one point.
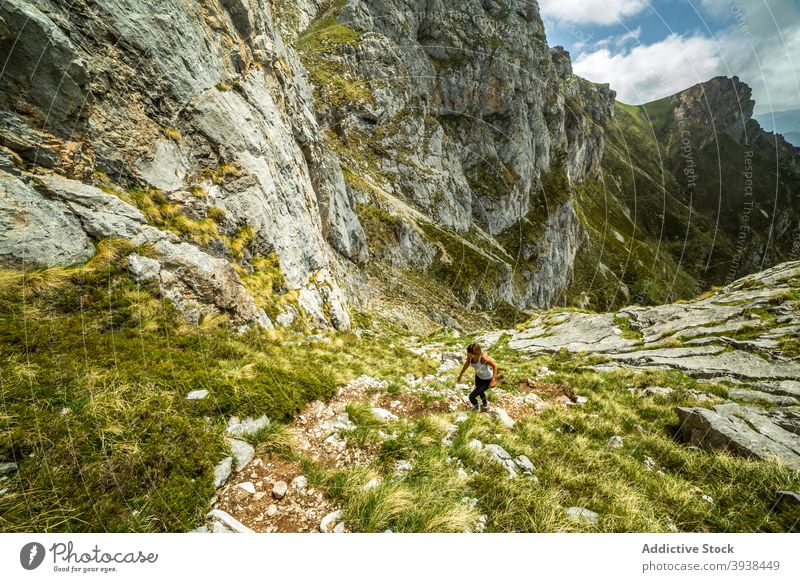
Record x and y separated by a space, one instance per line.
760 308
742 431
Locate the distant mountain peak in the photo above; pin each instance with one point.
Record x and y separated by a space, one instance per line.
724 103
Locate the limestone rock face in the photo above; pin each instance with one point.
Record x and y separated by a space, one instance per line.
457 110
174 96
700 339
741 430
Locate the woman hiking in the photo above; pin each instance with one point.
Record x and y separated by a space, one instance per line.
485 375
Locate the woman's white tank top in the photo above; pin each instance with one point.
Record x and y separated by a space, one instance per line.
482 369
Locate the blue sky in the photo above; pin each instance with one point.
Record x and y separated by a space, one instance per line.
650 49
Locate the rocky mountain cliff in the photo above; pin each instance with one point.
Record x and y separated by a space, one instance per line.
280 161
340 140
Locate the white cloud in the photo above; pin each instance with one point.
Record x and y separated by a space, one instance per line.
761 46
591 11
648 72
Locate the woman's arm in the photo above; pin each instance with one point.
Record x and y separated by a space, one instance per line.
493 365
463 369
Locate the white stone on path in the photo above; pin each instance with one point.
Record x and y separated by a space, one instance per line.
299 482
247 486
279 489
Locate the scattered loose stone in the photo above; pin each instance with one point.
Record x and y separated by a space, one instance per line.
461 417
300 482
343 422
401 466
247 486
328 522
567 428
279 489
197 395
272 510
481 525
372 483
656 391
339 527
259 496
525 465
615 442
383 414
7 468
475 444
650 463
503 417
246 427
708 499
583 514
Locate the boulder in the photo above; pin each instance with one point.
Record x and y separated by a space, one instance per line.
36 231
741 431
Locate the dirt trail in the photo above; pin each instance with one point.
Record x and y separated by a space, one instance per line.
321 433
